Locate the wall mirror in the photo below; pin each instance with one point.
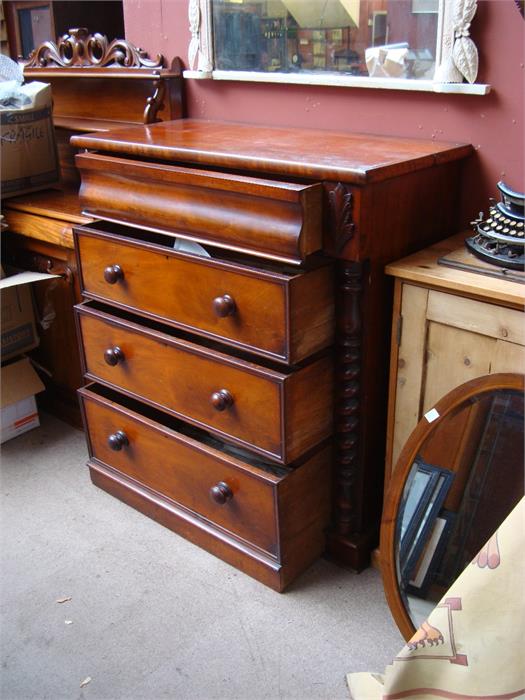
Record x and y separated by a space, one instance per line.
457 478
400 44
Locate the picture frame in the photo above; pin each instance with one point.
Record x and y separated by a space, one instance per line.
424 572
418 491
423 500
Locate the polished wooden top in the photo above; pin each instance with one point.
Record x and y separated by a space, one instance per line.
55 204
352 158
423 268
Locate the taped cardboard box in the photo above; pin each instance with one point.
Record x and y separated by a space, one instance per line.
18 327
29 153
18 410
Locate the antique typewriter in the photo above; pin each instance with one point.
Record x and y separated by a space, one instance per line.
500 238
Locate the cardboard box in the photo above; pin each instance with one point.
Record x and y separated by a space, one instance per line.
29 153
18 325
18 410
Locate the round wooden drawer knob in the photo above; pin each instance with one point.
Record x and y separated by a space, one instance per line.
221 493
112 356
118 440
113 274
224 306
221 400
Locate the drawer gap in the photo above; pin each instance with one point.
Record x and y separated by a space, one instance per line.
178 426
166 241
190 337
198 166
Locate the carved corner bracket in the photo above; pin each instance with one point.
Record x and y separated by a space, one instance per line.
155 102
340 199
79 49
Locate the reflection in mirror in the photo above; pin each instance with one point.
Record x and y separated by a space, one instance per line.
377 38
471 468
456 480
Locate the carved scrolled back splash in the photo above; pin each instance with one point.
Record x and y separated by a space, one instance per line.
79 49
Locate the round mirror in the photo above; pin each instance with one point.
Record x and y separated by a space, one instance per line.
457 478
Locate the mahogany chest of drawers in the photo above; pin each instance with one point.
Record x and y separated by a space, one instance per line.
235 328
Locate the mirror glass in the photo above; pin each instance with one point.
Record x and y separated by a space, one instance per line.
466 477
377 38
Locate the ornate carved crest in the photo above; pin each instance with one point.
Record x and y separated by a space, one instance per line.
340 199
81 49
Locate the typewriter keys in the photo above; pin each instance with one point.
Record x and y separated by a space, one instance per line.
500 238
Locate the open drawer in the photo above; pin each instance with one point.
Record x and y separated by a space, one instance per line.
285 314
278 413
268 218
266 520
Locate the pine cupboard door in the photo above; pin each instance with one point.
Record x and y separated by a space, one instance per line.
441 340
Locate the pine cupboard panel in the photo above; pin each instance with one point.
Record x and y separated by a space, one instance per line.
410 327
453 356
508 357
477 317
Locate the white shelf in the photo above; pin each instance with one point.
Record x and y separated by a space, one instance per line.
332 79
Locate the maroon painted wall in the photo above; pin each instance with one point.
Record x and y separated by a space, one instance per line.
494 123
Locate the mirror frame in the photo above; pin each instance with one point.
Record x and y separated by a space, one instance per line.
445 406
456 56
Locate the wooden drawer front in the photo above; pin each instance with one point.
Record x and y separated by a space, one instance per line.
44 228
184 470
276 414
277 220
284 317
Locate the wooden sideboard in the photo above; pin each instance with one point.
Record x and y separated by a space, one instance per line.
258 375
451 324
96 85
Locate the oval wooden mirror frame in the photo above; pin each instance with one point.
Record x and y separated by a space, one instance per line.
445 406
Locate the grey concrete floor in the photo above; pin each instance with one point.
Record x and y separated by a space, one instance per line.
151 615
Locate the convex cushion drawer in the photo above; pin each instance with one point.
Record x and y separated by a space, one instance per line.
272 517
286 316
271 218
277 413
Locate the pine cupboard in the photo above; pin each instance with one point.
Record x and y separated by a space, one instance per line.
449 326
